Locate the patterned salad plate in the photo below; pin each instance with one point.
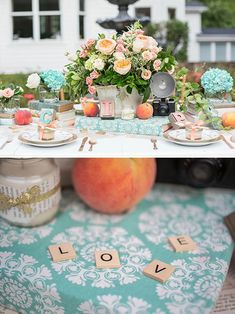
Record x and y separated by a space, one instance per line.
61 138
178 137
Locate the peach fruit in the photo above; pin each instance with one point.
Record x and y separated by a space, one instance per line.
228 119
90 109
23 117
144 111
113 185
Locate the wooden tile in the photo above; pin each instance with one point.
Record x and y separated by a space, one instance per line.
62 252
159 270
107 259
182 243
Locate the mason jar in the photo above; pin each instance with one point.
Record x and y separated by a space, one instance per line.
29 191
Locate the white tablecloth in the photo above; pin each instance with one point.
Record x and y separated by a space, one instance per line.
116 145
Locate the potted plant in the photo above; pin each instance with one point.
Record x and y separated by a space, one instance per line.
120 65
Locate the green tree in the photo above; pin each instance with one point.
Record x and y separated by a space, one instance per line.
173 35
220 13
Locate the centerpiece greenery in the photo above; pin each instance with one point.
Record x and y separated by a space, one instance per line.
7 95
128 60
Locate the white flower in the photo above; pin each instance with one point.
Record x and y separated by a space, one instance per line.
72 57
33 80
119 55
99 64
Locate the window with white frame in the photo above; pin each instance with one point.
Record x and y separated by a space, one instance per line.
171 13
81 19
205 51
36 19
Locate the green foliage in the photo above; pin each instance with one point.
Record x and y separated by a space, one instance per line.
176 36
220 13
17 79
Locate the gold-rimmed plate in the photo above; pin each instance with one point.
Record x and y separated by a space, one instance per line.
28 138
178 137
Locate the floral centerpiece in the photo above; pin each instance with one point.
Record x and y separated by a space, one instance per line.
217 83
48 82
126 61
9 97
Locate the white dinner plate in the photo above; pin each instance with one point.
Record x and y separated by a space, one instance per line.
61 138
178 137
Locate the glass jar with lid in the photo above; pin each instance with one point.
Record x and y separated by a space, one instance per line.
29 191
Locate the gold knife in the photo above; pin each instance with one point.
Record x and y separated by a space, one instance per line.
83 144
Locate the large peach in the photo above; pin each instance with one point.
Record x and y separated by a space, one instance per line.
228 119
113 185
144 111
90 109
23 117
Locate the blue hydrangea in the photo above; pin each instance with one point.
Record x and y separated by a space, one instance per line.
54 80
216 81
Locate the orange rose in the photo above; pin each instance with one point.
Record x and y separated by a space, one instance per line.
106 46
122 66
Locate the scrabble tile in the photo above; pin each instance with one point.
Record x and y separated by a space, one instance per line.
62 252
182 243
107 259
159 270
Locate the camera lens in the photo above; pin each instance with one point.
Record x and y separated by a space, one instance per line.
201 172
163 110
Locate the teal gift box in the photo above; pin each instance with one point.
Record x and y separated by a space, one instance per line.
151 126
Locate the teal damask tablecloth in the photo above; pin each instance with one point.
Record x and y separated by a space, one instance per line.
31 283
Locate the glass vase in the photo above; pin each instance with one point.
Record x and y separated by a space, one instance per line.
29 191
128 103
49 96
11 106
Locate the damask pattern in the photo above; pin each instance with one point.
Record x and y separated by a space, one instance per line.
27 286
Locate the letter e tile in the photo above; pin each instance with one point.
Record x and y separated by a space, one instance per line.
62 252
107 259
159 270
182 243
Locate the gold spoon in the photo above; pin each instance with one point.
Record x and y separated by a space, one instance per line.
154 141
92 143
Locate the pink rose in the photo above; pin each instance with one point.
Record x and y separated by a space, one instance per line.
139 32
83 54
90 43
155 50
7 93
94 75
120 42
92 90
147 55
146 74
157 65
120 48
89 80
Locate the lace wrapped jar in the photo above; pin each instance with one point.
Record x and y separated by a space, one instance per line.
29 191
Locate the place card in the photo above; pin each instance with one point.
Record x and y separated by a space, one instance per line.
62 252
159 270
182 243
107 259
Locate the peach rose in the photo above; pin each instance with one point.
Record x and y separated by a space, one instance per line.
146 74
106 46
143 42
122 66
7 93
157 65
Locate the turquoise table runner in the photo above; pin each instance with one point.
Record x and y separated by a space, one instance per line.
31 283
152 126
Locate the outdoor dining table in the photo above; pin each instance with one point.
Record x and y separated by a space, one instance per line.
110 145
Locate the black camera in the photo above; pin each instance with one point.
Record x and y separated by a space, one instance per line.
162 87
163 106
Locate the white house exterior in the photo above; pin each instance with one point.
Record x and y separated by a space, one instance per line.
35 34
